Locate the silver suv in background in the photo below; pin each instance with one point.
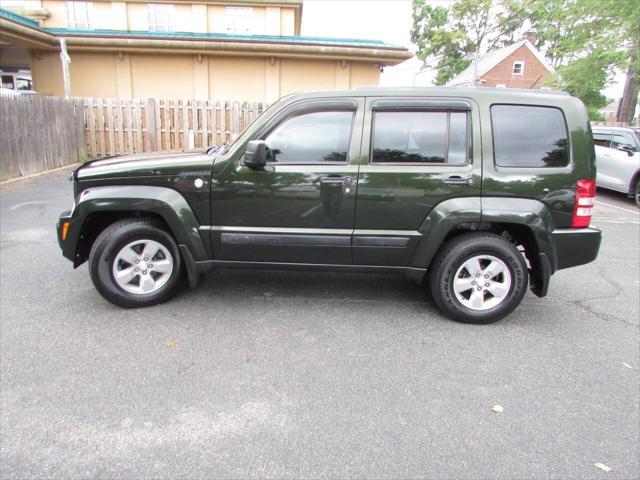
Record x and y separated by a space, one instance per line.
618 159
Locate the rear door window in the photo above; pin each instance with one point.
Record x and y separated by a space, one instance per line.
420 137
529 136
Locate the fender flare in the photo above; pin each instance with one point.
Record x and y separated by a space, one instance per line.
163 201
529 213
443 218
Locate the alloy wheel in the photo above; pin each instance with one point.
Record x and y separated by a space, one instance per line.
482 282
143 267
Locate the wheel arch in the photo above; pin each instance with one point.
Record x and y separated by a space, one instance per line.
99 207
635 178
525 222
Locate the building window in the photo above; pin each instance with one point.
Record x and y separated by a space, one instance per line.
8 82
518 68
79 15
160 17
23 84
239 20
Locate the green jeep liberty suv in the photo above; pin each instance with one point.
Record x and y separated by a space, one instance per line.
478 192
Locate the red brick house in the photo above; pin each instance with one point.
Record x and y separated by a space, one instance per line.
519 65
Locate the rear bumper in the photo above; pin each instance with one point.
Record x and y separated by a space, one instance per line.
576 246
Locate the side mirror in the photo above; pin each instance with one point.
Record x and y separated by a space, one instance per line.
255 155
626 149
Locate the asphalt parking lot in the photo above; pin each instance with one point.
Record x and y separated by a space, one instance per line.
300 375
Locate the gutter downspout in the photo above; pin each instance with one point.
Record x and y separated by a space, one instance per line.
65 59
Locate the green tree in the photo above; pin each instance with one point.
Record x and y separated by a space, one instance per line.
626 14
585 78
453 37
584 40
569 29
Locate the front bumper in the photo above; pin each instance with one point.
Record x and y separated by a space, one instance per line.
68 245
576 246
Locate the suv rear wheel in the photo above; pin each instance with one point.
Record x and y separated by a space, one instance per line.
478 278
135 263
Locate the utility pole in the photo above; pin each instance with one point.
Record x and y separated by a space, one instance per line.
64 58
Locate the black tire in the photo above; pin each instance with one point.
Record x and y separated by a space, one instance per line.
637 193
105 249
454 254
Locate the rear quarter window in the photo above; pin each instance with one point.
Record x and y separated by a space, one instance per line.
529 136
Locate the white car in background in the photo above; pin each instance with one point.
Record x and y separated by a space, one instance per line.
618 159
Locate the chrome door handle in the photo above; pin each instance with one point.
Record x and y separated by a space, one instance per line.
336 180
456 180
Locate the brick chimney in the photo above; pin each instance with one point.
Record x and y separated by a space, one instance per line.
532 37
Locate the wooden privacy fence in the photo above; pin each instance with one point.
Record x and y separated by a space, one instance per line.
39 133
127 126
616 124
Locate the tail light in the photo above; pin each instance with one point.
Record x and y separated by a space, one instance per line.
585 195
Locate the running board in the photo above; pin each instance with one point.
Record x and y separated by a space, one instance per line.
412 273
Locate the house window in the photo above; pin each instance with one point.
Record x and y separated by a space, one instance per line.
518 68
79 15
239 20
160 17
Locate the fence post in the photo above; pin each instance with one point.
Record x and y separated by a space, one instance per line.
151 124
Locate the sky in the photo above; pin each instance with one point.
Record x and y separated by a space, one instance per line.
386 20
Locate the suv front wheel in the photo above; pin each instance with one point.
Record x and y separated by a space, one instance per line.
478 278
135 263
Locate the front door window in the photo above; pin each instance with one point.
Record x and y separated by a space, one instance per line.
315 137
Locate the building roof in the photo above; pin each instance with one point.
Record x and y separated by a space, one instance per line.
17 27
293 39
490 59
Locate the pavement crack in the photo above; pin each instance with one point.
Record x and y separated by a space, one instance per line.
607 318
618 290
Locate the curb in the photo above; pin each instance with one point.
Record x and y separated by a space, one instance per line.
34 175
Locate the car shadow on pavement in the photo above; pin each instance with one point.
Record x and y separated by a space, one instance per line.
315 286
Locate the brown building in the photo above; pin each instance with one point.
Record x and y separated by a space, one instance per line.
519 65
248 50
